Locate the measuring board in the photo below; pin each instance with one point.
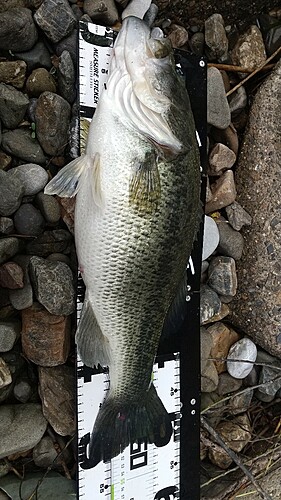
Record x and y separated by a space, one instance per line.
144 471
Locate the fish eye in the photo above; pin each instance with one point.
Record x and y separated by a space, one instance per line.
159 48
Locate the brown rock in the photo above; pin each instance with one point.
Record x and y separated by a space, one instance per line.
223 191
221 158
5 374
11 276
219 457
13 73
57 391
67 212
45 337
227 136
249 51
178 36
228 384
40 81
209 377
223 338
223 312
5 160
235 433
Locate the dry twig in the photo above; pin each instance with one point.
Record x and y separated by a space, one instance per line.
237 69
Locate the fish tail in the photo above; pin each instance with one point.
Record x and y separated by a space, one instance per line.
120 423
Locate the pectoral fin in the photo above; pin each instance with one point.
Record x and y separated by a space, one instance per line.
145 187
66 182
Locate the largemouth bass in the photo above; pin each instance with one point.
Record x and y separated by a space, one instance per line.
136 217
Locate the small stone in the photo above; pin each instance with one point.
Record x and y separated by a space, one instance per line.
222 275
223 192
218 112
17 30
238 100
57 240
227 384
52 117
210 304
57 391
240 403
22 391
231 241
53 285
197 43
244 350
6 225
249 51
22 427
20 143
236 433
262 396
8 248
23 297
55 18
13 105
66 77
206 346
221 158
223 338
28 220
5 160
40 81
178 36
11 192
5 374
45 337
271 375
32 177
69 43
37 57
77 11
101 11
253 377
211 237
9 333
49 207
67 212
216 39
44 453
218 456
55 257
223 312
13 73
11 275
209 377
226 81
228 137
237 216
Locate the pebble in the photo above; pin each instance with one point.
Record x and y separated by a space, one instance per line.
178 36
206 346
17 30
227 384
101 11
5 160
22 427
218 112
197 43
28 220
13 73
37 57
249 51
49 207
222 275
5 374
210 238
66 77
221 158
223 338
237 216
253 377
262 396
40 81
57 392
238 100
13 105
53 285
22 391
54 257
69 44
209 377
20 143
9 333
8 248
52 117
11 193
44 452
231 241
56 19
57 240
32 177
210 304
235 433
216 39
272 375
223 192
67 212
228 137
244 349
22 297
240 403
6 225
11 275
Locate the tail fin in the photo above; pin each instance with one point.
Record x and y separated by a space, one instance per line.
118 424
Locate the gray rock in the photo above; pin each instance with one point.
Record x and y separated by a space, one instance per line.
16 433
221 158
69 44
13 105
6 225
206 346
218 112
49 207
210 304
66 77
269 483
223 192
240 403
28 220
235 433
262 396
13 73
37 57
209 377
272 375
8 248
9 333
244 354
52 116
101 11
53 484
44 452
222 275
31 109
5 374
227 384
11 275
22 391
253 377
178 36
55 257
211 237
249 51
22 298
32 177
231 241
197 43
53 285
237 216
227 136
19 143
17 30
40 81
256 307
55 18
54 241
216 39
238 100
11 193
77 11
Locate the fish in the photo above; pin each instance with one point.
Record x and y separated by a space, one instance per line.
137 189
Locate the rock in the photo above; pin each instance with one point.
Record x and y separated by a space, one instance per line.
244 350
210 304
218 456
237 216
223 338
271 31
49 207
69 44
216 39
5 374
265 398
32 177
222 275
101 11
20 143
11 275
22 391
238 100
226 80
221 158
269 483
211 402
5 160
197 43
211 237
223 192
49 488
240 403
22 298
209 377
272 375
45 337
13 73
227 384
223 312
52 116
57 391
256 307
77 11
44 452
9 333
218 112
55 18
17 30
178 36
28 220
231 241
8 248
13 105
54 257
40 81
37 57
235 433
57 240
249 51
6 225
67 212
228 137
22 427
66 77
253 377
206 346
11 192
53 285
